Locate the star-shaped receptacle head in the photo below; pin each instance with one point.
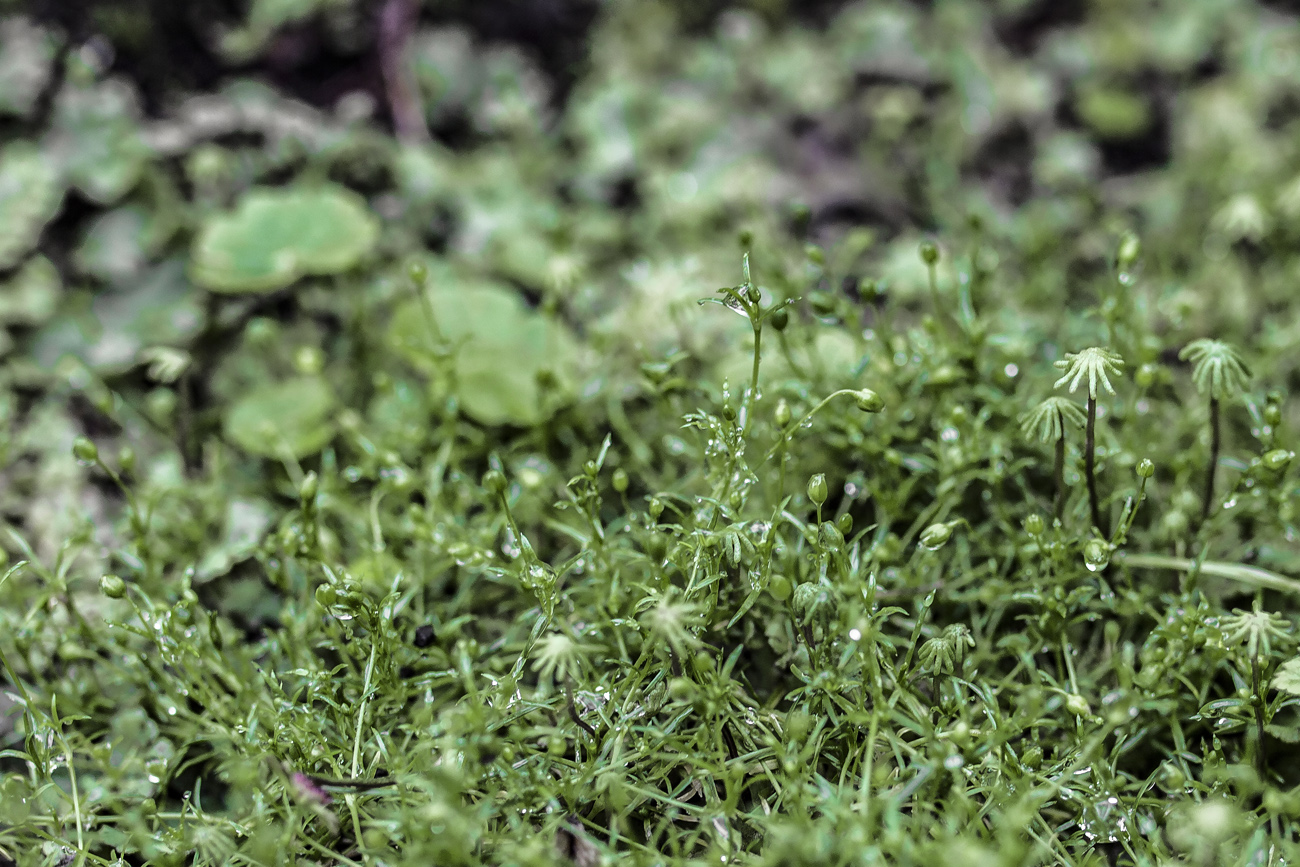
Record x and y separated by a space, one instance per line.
1096 363
1047 421
1218 367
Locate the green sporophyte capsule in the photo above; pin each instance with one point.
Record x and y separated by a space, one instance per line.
936 536
494 482
417 271
327 596
868 400
817 490
620 480
84 450
782 413
112 586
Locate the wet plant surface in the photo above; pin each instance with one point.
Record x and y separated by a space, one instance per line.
385 480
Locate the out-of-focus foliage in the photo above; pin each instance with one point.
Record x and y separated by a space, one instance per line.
375 488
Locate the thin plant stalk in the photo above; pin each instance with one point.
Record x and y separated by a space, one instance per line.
1215 439
1090 464
1059 473
1261 754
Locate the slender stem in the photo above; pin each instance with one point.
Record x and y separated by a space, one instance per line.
1261 757
751 399
1090 464
1059 473
1251 575
1214 459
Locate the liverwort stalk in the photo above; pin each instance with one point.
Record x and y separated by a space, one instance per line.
1097 364
1219 373
1047 423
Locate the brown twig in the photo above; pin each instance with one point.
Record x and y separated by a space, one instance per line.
397 19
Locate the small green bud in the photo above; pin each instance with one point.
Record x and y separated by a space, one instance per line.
1129 250
620 480
214 633
1146 468
817 490
1077 705
868 290
782 414
1272 415
869 401
929 252
844 523
936 536
1032 759
656 371
728 412
779 587
681 689
418 272
1146 375
308 488
148 808
815 254
1277 459
112 586
326 596
823 303
1034 525
780 318
746 238
126 460
831 536
656 508
494 482
813 603
85 451
308 360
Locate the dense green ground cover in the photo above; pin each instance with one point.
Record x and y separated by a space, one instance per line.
391 498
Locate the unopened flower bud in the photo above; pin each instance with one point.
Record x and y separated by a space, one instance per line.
817 490
85 451
1146 468
782 414
929 252
112 586
494 482
869 401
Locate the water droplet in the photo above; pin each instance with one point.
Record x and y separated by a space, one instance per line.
855 634
953 763
948 434
1011 370
1096 556
1230 503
